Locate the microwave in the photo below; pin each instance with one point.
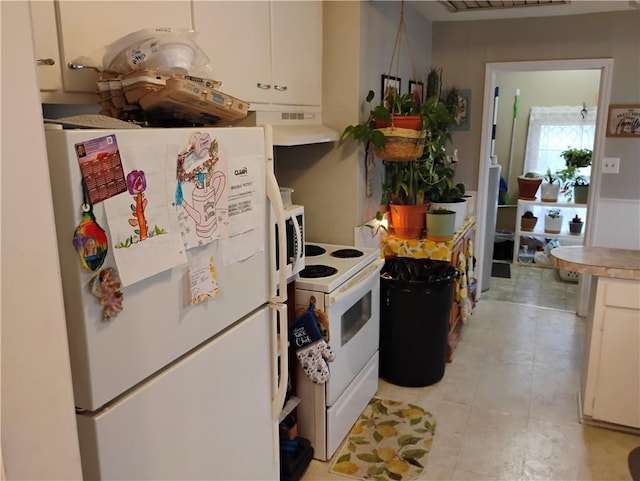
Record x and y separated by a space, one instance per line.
294 226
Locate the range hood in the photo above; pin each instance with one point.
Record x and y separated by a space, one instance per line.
294 127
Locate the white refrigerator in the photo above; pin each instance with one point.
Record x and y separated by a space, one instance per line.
168 388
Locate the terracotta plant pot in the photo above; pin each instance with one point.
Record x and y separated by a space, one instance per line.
528 187
528 223
413 122
408 221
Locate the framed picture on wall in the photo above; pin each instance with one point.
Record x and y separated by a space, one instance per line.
390 86
417 89
463 111
624 121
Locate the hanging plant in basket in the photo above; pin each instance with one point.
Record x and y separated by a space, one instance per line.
385 129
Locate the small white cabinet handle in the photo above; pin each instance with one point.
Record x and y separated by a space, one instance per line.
280 88
45 61
263 86
79 66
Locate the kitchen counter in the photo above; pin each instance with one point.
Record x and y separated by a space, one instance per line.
598 261
610 387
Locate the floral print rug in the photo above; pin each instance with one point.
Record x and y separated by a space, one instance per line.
390 441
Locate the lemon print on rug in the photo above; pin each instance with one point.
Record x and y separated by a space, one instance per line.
390 441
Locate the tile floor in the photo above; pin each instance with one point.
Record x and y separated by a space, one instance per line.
534 286
507 405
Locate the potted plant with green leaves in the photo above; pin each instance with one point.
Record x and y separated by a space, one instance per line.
553 221
528 185
406 183
575 225
550 187
528 221
394 127
574 183
447 195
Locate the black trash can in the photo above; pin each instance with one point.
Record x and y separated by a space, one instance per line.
415 305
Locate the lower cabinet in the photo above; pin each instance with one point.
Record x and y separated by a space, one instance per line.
612 387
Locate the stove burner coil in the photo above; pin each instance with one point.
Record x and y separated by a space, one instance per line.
315 271
347 253
312 250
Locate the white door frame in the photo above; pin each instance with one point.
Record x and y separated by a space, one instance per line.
605 65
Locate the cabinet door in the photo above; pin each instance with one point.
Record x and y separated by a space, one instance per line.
236 38
296 35
45 37
617 393
86 27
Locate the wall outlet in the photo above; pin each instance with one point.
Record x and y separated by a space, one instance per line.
611 165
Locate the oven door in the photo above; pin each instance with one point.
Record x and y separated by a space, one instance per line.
354 325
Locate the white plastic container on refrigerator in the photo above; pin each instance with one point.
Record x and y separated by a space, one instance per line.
167 390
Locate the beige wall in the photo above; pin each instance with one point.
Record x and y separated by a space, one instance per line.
39 439
464 48
329 179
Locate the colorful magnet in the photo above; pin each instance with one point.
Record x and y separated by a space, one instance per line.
106 287
90 241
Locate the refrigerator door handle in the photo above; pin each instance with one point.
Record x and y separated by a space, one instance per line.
273 194
281 375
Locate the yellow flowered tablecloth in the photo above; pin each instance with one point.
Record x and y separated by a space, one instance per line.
393 246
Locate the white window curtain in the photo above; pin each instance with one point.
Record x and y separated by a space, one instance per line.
554 129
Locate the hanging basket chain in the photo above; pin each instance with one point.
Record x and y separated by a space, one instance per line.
402 30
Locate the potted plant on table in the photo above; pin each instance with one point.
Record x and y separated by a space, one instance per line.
446 195
408 178
441 224
528 221
550 187
553 221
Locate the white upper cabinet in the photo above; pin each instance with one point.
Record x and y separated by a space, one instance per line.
296 37
45 37
85 28
264 52
235 37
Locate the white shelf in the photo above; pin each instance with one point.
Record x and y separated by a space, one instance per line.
539 232
539 209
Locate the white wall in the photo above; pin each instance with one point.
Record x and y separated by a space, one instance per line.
39 439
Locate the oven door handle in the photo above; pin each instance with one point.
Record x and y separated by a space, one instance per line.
354 283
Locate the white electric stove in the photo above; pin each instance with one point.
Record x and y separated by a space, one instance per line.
328 266
345 282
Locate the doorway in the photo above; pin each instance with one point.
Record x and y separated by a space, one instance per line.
492 70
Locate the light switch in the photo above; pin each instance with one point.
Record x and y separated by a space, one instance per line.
611 165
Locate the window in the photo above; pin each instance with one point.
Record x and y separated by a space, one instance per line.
554 129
